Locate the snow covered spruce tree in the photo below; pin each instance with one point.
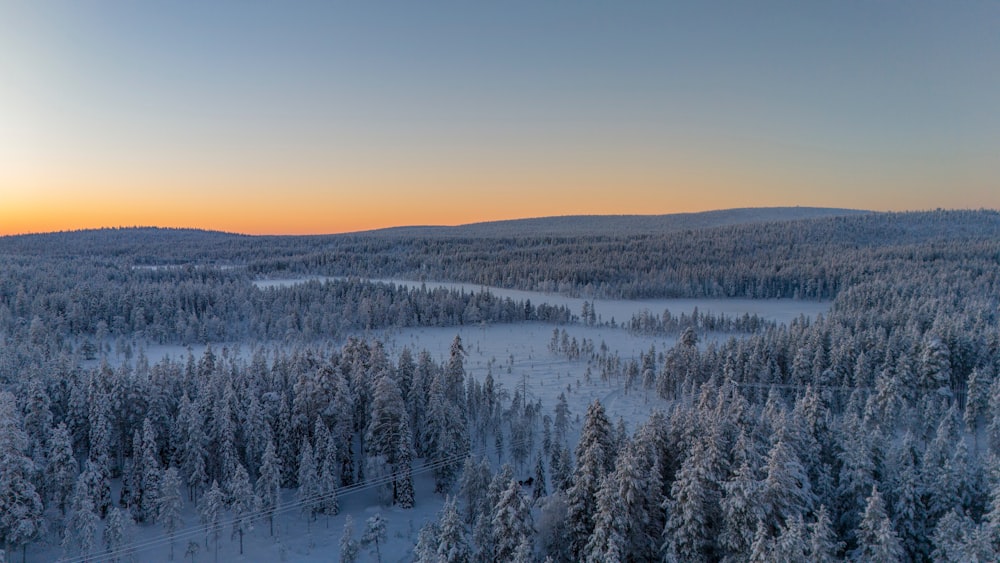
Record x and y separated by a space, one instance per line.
193 451
80 536
539 488
242 502
117 535
210 511
694 517
383 443
446 435
403 475
425 551
375 534
595 456
473 487
877 540
786 493
146 473
327 463
62 467
168 505
268 486
308 479
342 430
483 529
452 545
823 544
512 523
741 509
348 545
628 522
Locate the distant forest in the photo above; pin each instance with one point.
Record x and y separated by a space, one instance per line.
870 433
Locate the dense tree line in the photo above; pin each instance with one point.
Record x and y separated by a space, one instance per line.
811 259
646 322
86 303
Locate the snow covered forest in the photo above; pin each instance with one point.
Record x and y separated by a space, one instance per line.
202 396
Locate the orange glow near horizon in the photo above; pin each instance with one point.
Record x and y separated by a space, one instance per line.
359 202
335 187
315 215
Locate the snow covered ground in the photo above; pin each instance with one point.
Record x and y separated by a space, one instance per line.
518 358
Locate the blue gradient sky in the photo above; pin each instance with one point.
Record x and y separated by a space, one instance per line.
291 117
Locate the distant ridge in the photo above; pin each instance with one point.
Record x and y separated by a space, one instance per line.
153 246
115 232
112 241
574 225
125 240
560 225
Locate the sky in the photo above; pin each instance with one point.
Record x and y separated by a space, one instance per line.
324 117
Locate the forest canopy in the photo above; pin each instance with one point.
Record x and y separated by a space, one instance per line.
870 432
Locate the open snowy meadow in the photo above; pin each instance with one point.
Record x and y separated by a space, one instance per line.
519 358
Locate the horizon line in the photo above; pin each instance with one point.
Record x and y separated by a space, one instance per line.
123 227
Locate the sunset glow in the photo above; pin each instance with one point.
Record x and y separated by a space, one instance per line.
321 118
